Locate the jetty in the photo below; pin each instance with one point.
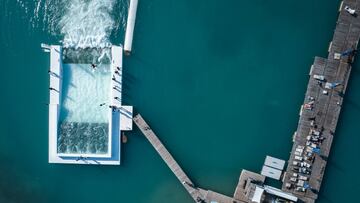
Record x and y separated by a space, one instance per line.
250 187
321 109
198 194
195 193
130 25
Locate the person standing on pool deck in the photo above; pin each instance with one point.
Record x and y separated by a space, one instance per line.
93 66
52 73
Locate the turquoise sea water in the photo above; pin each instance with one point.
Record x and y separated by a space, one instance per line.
220 82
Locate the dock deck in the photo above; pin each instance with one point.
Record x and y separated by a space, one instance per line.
323 114
243 188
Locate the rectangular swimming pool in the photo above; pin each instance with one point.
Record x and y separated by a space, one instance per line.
84 111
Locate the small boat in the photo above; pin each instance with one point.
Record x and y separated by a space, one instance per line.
124 138
300 189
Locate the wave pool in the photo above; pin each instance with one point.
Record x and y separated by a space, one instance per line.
84 112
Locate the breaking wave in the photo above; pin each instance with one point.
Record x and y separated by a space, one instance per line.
77 24
87 23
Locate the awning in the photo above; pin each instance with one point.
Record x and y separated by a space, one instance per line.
257 195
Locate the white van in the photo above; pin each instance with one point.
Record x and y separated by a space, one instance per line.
319 77
299 158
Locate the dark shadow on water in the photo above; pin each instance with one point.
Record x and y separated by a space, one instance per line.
129 78
352 103
355 71
336 166
125 85
13 187
325 198
143 62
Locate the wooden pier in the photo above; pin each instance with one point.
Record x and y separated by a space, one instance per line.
323 112
197 194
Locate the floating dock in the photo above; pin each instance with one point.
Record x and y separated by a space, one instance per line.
120 120
130 25
322 105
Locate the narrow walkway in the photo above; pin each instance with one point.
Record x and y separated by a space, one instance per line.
195 193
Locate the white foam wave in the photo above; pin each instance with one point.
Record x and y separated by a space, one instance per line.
77 24
81 23
87 23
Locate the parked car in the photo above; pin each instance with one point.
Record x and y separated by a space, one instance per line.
304 171
319 77
298 153
304 164
289 185
300 189
299 150
300 147
315 132
299 158
296 163
350 10
300 183
309 149
309 154
301 177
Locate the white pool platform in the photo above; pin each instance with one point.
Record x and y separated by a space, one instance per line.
119 120
126 115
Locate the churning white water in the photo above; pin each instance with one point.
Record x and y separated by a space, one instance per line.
78 24
87 23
